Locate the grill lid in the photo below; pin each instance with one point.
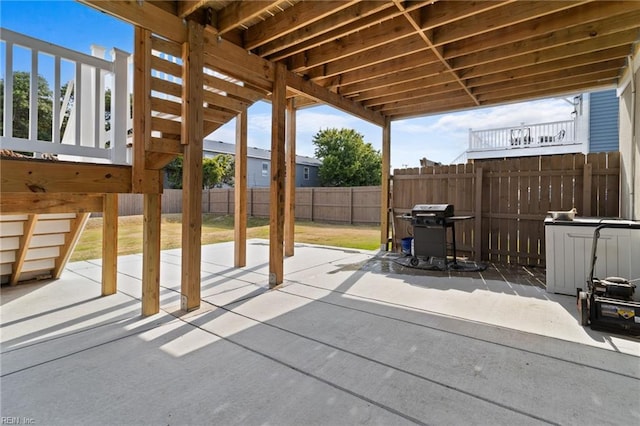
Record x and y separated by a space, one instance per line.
439 210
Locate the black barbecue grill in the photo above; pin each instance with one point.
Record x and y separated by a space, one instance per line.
430 223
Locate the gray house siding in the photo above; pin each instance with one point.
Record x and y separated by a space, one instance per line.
308 177
259 165
603 121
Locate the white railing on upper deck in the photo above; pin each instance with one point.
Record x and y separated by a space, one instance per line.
79 116
524 136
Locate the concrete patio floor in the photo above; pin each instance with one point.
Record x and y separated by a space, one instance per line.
349 338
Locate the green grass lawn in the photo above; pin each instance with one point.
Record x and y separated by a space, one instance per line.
217 229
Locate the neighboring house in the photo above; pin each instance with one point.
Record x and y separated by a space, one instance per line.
594 128
603 121
259 164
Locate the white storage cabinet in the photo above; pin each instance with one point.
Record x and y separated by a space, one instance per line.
568 253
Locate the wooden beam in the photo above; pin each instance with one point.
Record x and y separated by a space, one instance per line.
277 193
23 248
70 240
290 195
240 193
320 94
110 244
42 176
234 61
151 229
144 14
385 186
192 133
50 203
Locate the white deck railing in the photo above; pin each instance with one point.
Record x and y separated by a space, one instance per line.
557 133
78 116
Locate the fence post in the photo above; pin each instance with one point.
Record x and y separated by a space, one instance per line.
351 205
312 205
477 232
587 175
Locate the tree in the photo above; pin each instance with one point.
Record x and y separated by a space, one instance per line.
173 171
21 84
346 159
215 171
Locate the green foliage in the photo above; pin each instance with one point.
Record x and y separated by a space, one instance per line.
216 171
21 89
346 159
173 171
21 84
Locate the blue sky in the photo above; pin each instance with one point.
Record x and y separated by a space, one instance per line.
439 138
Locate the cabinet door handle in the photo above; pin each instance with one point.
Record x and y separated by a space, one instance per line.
590 237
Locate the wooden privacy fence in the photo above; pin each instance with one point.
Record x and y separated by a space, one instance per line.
360 205
509 199
357 205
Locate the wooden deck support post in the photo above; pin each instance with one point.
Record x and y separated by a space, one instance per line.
276 208
290 196
384 189
152 210
240 193
109 244
140 175
192 138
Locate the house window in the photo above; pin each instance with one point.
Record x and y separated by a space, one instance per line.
306 173
265 168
